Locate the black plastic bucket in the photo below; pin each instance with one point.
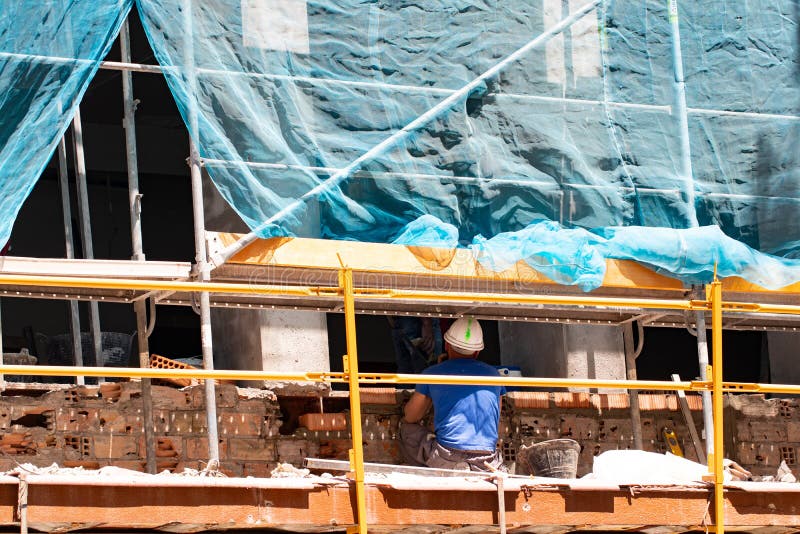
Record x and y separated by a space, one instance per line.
555 458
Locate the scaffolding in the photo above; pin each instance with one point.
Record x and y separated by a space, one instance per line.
348 295
635 295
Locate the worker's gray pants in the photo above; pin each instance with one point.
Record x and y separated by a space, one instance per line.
420 448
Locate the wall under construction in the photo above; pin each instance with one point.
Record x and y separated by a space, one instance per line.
95 426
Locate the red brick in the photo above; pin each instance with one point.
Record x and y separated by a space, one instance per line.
337 449
294 451
77 419
658 401
322 422
379 396
114 421
259 406
610 401
199 422
251 449
529 399
578 428
571 400
171 399
615 431
793 431
380 450
649 430
167 447
115 446
240 424
17 443
258 469
110 391
86 464
161 421
227 396
197 449
761 431
231 469
182 422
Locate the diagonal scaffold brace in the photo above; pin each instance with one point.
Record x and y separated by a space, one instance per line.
218 258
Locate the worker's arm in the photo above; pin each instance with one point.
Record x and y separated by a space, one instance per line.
416 408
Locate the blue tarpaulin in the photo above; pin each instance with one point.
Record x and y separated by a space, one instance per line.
49 52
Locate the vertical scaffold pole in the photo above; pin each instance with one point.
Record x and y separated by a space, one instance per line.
719 453
633 394
86 232
69 246
702 357
351 368
203 275
681 114
201 250
135 208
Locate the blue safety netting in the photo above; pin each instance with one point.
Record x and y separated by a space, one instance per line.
570 154
49 52
474 123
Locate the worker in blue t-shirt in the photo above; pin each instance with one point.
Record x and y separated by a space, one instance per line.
466 418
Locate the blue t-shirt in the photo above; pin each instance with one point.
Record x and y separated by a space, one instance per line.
465 417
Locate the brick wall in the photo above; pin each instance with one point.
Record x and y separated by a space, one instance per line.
94 426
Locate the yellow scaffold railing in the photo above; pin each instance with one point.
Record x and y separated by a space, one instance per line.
349 294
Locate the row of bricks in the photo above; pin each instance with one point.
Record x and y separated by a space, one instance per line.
192 398
766 454
774 431
114 421
116 447
599 401
548 426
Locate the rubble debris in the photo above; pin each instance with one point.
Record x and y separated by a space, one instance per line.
736 471
287 470
785 474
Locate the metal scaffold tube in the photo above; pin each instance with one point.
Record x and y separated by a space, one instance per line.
203 274
630 371
702 357
86 230
682 114
401 135
201 249
719 452
135 208
351 368
66 211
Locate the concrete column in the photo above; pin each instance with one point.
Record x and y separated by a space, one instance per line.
281 340
563 351
783 348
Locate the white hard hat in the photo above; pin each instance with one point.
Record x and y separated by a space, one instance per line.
465 335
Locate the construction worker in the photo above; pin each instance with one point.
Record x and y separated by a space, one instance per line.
465 418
